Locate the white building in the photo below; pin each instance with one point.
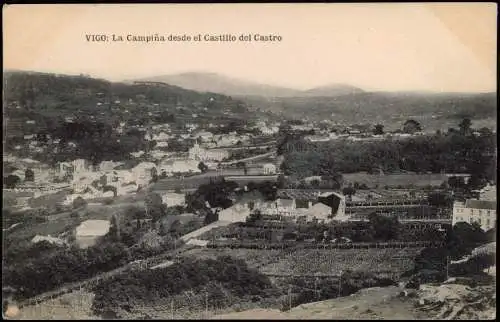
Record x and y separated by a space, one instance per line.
109 165
179 166
89 230
200 154
174 199
162 136
142 172
235 213
204 136
481 211
319 211
269 168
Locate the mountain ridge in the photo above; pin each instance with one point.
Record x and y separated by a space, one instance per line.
218 83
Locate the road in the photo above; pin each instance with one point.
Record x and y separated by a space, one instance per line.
256 157
204 229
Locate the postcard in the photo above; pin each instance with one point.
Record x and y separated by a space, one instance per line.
249 161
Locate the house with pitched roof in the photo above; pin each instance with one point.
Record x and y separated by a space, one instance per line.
483 212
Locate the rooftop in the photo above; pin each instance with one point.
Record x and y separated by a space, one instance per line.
93 228
481 204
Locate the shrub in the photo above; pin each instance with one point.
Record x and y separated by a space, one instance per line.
79 202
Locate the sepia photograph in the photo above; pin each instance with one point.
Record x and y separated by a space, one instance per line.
249 161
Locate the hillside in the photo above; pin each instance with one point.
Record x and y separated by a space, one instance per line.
433 110
40 97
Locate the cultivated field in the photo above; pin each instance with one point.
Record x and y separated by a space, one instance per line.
393 180
332 262
318 261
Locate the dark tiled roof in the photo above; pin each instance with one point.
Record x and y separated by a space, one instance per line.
303 194
481 204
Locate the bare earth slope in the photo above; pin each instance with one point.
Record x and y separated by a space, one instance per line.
371 303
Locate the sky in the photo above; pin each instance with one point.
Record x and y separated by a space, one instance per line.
448 47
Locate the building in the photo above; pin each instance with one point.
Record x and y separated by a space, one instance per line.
90 230
49 239
142 172
200 154
320 212
488 193
174 199
482 212
403 207
305 205
109 165
235 213
269 168
179 166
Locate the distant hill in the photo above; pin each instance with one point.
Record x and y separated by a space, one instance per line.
332 90
212 82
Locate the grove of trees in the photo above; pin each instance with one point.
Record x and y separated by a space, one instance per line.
453 153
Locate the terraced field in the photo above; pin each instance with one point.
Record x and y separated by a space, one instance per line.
332 262
318 261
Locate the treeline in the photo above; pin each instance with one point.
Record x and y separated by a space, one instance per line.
153 286
453 153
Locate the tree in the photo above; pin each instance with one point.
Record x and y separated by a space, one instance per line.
378 130
348 191
456 182
384 228
79 202
162 231
155 209
411 126
210 217
281 181
11 181
110 188
103 180
464 126
203 167
114 229
154 174
29 175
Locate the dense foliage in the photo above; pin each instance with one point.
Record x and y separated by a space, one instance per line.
152 286
217 194
453 153
35 275
434 264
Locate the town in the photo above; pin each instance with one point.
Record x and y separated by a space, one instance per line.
193 179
